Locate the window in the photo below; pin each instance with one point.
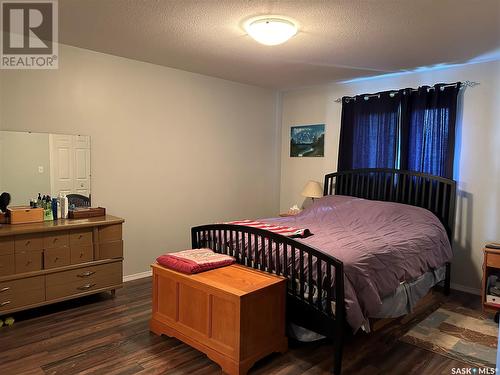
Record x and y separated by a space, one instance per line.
369 132
407 129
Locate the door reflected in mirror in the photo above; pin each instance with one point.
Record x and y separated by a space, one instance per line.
32 163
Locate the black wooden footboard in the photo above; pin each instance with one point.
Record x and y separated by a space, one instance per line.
315 280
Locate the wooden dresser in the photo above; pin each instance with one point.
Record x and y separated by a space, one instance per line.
235 315
52 261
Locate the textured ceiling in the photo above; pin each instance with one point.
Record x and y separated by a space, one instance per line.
337 40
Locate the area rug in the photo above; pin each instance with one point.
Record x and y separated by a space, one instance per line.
458 333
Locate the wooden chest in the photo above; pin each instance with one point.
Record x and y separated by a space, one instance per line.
235 315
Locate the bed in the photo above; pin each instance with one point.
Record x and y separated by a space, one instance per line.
329 287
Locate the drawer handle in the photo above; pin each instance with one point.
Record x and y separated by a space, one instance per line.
4 289
80 236
55 239
27 243
86 286
2 304
86 274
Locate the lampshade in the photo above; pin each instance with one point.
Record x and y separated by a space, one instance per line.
312 190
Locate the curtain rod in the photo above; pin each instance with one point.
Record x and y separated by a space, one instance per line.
465 84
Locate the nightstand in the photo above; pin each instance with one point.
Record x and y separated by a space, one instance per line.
491 267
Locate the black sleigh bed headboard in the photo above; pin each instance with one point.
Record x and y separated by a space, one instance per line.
436 194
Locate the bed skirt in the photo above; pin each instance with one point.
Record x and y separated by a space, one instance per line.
400 303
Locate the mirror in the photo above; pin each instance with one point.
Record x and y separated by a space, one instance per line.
32 163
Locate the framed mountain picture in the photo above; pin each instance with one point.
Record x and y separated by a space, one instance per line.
307 141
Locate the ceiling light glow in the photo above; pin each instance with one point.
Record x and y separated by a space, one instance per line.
271 30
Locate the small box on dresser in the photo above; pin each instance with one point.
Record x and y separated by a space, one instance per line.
24 215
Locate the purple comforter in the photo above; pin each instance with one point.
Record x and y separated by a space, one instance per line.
380 243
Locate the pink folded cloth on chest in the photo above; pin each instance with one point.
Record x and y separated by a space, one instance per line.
194 260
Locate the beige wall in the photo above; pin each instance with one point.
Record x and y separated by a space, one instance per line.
478 145
170 149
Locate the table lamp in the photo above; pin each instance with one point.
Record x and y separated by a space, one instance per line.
312 190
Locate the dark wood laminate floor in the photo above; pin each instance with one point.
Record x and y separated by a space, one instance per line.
105 335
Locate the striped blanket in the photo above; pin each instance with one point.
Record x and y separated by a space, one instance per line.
279 229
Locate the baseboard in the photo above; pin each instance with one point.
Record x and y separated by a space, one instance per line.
466 289
136 276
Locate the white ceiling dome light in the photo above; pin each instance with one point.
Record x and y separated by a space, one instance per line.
271 30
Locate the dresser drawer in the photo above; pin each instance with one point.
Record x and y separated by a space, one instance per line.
82 254
109 250
110 233
18 293
7 264
493 260
80 237
57 257
28 242
83 279
28 261
56 239
6 245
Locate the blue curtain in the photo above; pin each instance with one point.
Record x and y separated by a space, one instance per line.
406 129
428 117
369 131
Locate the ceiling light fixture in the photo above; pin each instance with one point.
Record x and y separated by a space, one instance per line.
270 30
